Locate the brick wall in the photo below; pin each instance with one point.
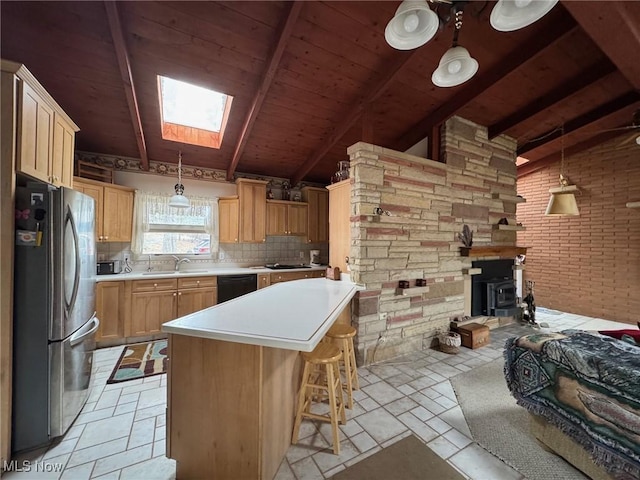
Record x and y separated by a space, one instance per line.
589 264
428 202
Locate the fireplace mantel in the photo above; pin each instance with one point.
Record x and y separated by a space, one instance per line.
503 251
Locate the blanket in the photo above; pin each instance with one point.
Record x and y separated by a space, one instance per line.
587 385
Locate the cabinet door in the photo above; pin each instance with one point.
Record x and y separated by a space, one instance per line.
196 299
297 216
62 152
95 192
150 310
109 309
253 211
117 215
318 215
228 220
264 280
339 224
35 135
276 219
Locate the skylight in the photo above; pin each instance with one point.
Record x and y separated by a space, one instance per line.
192 114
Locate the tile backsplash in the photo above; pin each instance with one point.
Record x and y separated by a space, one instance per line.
285 249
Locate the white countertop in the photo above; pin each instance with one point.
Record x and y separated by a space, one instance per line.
290 315
210 272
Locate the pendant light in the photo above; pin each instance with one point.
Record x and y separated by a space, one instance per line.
563 200
413 25
456 65
510 15
179 200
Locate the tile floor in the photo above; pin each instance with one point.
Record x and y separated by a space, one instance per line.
120 433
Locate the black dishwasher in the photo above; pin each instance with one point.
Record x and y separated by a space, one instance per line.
232 286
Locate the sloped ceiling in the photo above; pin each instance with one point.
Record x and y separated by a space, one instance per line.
311 78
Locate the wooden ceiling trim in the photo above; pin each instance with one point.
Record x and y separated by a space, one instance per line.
591 116
614 28
127 80
557 95
521 54
349 119
265 84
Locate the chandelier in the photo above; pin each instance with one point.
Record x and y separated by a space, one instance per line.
414 24
178 200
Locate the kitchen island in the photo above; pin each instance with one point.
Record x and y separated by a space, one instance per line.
233 377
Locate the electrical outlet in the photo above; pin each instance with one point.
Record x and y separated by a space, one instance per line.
301 254
221 255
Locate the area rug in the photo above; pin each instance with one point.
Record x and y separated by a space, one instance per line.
501 427
140 360
408 459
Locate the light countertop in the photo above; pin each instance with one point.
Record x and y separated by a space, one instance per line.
210 272
290 315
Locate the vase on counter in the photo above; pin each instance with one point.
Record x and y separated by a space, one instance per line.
342 173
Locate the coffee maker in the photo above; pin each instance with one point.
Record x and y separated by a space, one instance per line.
314 257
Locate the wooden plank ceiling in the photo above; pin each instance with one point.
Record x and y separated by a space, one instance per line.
311 78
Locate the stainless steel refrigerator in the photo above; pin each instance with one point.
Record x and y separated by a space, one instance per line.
54 311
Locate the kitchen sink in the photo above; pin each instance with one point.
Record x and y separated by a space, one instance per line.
160 272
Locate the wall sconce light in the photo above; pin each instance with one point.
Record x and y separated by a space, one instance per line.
179 200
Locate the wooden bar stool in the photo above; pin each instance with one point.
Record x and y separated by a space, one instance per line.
321 380
342 335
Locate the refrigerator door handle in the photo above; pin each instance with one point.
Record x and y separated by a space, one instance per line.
76 274
89 329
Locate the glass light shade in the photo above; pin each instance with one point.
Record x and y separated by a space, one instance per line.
413 25
179 201
562 204
510 15
456 67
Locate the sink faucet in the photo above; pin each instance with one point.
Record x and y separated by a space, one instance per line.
179 261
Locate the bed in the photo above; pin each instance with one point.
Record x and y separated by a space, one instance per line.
583 391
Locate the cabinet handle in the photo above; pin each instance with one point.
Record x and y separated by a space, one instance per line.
155 285
236 240
197 282
264 239
179 294
174 294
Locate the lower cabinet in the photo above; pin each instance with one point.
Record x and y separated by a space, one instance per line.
138 308
110 309
264 280
289 276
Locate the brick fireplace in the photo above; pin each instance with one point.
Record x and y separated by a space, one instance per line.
428 203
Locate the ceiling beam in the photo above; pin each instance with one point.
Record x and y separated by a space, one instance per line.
352 116
265 84
613 26
558 94
522 53
534 166
127 79
572 125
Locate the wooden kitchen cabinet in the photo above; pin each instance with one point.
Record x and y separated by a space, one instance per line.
228 214
153 302
156 301
196 293
114 209
286 218
110 310
44 134
264 280
252 220
289 276
339 224
318 217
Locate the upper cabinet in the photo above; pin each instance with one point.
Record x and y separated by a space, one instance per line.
318 217
44 134
228 208
114 209
252 196
286 218
339 224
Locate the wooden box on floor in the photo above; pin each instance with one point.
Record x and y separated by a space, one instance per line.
473 335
